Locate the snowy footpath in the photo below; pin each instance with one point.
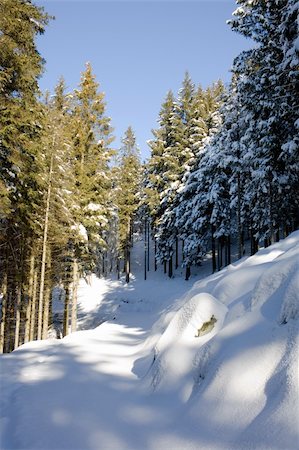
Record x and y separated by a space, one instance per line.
165 364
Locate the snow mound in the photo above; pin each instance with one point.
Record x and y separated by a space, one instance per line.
277 289
190 318
182 337
239 382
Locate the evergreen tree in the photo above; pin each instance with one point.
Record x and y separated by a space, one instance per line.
267 85
20 161
56 210
192 210
159 167
91 141
129 181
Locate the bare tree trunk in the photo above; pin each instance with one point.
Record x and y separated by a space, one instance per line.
188 272
176 252
155 255
127 259
46 312
3 316
47 300
145 248
228 250
33 308
74 296
170 268
239 221
66 310
118 268
44 252
214 265
29 304
128 265
9 320
148 246
18 315
272 230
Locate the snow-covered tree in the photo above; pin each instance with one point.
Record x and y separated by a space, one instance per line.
267 85
91 141
192 211
20 161
127 200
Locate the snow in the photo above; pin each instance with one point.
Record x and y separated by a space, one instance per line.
81 230
137 376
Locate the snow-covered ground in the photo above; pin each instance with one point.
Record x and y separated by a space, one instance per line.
140 374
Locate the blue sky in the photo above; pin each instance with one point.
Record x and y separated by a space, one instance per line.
138 50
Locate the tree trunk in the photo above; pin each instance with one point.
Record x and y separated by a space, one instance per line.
155 255
66 310
254 242
44 252
228 243
272 230
46 312
127 258
145 248
148 246
33 308
118 268
176 252
214 265
188 272
74 296
239 221
47 300
30 295
9 321
170 268
18 315
3 315
128 266
277 235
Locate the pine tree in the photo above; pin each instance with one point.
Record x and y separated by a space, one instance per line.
20 161
158 166
268 102
129 176
91 141
56 211
193 210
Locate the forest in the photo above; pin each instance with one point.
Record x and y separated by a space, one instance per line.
223 168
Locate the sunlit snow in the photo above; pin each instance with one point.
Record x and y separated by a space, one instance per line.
137 375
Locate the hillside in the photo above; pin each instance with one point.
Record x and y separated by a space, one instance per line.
143 373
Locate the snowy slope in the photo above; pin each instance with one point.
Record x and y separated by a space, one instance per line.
142 378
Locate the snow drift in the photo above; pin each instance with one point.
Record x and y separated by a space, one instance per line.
243 375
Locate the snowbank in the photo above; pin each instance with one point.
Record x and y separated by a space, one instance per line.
243 392
182 339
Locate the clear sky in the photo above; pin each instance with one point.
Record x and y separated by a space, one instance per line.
138 51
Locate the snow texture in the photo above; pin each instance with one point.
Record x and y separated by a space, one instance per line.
136 376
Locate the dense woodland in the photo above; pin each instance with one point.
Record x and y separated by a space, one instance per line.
223 168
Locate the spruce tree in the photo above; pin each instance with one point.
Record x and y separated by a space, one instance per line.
128 198
267 85
92 153
193 210
20 160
